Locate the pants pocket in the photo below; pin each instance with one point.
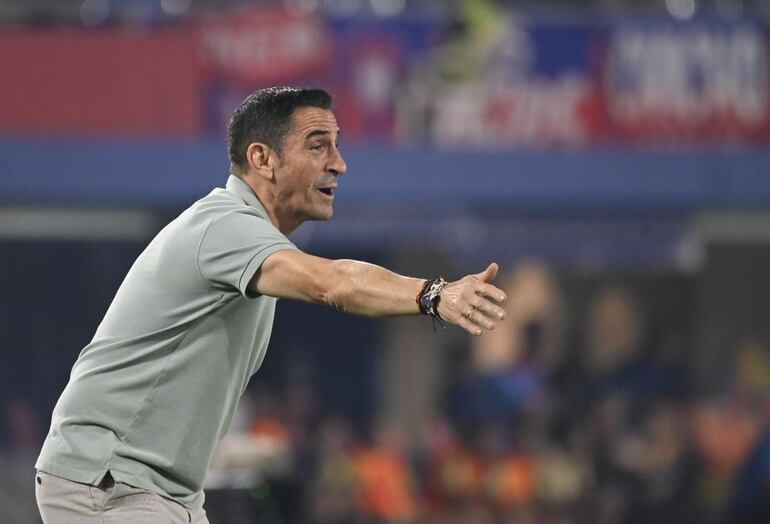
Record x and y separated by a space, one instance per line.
128 502
61 500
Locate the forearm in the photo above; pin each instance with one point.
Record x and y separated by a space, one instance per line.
365 289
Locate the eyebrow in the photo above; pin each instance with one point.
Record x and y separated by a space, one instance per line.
318 132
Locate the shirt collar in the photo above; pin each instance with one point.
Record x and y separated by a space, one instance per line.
242 189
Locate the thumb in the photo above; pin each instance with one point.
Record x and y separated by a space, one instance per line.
488 275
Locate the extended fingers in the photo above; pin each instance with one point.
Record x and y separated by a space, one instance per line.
488 308
479 318
469 326
486 299
481 313
491 292
465 315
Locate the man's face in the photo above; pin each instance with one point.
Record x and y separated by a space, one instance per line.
310 165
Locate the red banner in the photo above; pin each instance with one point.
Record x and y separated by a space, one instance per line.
120 83
537 84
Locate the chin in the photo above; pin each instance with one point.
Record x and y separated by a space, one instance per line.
321 216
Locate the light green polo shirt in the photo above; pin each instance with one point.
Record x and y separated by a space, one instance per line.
151 395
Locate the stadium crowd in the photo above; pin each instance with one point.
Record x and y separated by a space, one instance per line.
539 426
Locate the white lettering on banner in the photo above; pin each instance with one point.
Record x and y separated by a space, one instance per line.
246 49
260 50
688 77
528 113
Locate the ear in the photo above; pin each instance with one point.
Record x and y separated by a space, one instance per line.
261 159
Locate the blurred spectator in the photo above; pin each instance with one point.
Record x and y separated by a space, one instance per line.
750 497
563 482
514 363
20 437
455 472
387 488
258 445
654 464
268 420
726 432
22 429
333 488
617 356
613 331
300 410
533 328
752 370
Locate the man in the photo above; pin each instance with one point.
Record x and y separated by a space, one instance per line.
134 430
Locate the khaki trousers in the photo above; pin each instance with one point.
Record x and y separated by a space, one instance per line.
63 501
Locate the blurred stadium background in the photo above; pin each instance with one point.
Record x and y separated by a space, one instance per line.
612 155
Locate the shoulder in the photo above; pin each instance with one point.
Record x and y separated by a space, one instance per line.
222 204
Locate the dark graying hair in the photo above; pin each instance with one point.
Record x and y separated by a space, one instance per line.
265 116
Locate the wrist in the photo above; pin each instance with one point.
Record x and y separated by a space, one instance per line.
429 297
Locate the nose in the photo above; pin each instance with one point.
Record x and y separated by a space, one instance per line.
337 164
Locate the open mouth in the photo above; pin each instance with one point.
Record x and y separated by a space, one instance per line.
328 191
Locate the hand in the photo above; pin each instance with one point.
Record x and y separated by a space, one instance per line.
472 302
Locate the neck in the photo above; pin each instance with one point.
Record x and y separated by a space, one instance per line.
282 220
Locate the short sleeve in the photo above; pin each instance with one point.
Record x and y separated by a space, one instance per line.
234 247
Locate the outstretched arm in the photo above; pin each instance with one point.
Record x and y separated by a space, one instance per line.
366 289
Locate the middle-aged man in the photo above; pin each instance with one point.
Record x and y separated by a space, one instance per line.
134 430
